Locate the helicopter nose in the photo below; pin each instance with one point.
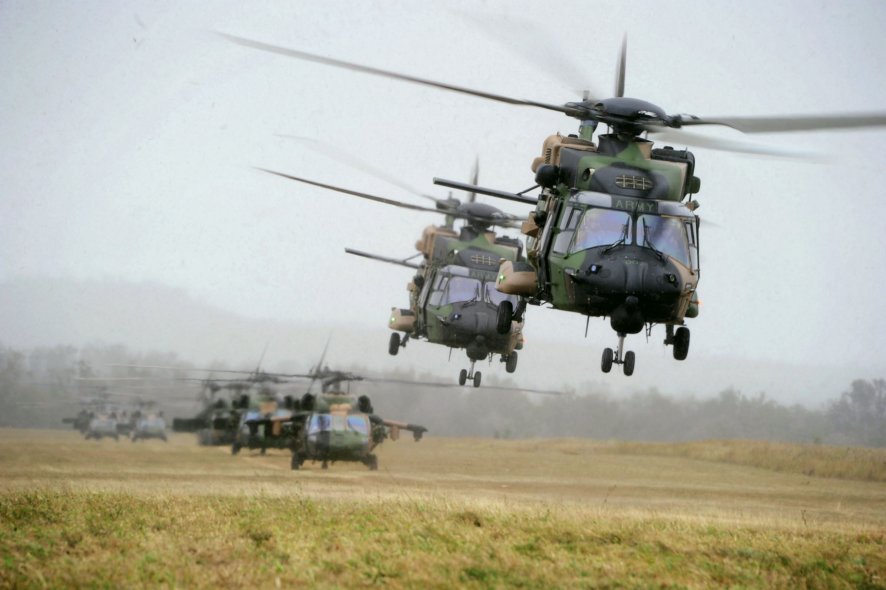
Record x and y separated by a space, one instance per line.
632 303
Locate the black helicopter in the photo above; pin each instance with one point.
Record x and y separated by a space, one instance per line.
613 233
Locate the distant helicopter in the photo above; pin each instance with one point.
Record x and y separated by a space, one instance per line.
611 235
327 427
147 422
216 424
453 299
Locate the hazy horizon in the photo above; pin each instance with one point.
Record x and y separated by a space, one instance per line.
130 133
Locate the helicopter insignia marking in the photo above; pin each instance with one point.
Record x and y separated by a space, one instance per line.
632 205
482 259
634 182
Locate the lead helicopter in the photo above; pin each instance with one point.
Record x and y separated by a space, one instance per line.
453 299
613 232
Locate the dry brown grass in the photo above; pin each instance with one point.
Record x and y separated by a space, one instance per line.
441 513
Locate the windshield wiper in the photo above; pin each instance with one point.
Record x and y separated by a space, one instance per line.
648 242
620 241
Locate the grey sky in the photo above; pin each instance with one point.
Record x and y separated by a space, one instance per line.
128 133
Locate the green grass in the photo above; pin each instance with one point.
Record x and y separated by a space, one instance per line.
60 539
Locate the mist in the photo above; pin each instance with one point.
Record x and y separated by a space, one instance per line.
132 214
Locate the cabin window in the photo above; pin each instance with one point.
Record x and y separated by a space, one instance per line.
568 223
665 234
601 227
439 288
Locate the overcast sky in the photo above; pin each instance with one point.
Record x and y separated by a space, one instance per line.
129 132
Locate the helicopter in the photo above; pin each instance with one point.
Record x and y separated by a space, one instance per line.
327 427
216 424
453 299
147 422
614 232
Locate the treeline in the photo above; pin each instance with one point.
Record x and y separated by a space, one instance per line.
40 386
857 417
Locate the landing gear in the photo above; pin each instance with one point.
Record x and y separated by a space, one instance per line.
511 362
297 460
325 464
394 344
680 341
505 316
371 461
619 357
464 375
235 448
606 363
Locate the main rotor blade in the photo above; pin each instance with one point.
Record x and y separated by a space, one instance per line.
388 74
505 222
353 193
678 137
620 73
525 39
383 258
793 123
355 162
475 178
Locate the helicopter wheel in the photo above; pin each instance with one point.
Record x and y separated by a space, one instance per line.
463 377
325 465
235 448
606 363
372 462
477 376
511 363
629 363
264 451
504 318
681 343
394 344
296 462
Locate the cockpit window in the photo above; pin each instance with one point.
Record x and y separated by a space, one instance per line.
320 423
601 227
665 234
358 424
461 289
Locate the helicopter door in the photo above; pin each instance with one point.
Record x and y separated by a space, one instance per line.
432 282
692 234
545 240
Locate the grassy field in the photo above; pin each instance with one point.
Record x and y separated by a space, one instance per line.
474 513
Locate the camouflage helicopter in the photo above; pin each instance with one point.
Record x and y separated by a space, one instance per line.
217 423
614 231
330 426
453 299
